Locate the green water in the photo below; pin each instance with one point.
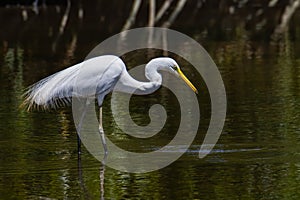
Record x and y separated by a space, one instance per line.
256 157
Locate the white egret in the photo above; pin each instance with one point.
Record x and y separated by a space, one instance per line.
103 72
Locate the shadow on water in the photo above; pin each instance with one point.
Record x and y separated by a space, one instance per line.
256 47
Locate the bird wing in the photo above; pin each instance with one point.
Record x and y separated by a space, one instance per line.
98 80
95 76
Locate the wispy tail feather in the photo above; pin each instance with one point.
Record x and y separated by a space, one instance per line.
53 91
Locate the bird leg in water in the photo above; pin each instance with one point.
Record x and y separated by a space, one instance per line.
101 175
79 126
101 131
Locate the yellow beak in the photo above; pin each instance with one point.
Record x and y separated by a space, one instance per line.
186 80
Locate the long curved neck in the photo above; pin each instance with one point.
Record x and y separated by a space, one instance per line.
130 85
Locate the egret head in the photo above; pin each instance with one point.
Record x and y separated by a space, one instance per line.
170 65
174 68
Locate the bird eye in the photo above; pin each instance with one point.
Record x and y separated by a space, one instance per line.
175 67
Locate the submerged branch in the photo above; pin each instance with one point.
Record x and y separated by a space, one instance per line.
131 19
174 14
285 19
162 10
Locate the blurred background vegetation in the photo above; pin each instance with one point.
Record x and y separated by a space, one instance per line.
48 27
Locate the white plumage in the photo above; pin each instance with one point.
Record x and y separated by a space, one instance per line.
96 77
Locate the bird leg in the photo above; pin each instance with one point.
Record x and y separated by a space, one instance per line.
80 126
102 171
101 175
101 131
